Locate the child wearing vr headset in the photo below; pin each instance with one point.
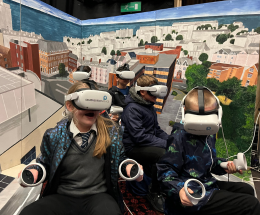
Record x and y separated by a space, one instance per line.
191 154
81 156
119 92
143 138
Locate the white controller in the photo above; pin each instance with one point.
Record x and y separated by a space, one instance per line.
194 200
240 162
136 172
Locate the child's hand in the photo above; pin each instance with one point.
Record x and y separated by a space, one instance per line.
114 117
231 168
184 199
35 175
128 170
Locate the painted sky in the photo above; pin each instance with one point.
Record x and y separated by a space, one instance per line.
231 7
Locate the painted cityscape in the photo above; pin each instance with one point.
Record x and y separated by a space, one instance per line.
182 49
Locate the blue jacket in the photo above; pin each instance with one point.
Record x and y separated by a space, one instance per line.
141 126
188 156
55 144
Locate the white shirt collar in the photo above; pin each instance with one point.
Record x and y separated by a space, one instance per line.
75 130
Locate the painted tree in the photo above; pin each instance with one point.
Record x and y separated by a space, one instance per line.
68 40
62 71
196 75
213 84
104 50
203 57
154 39
141 42
112 52
221 38
89 41
207 26
168 37
179 37
185 52
146 42
83 42
257 30
220 26
118 53
233 27
173 31
207 64
232 41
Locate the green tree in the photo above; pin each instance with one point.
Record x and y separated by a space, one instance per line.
196 75
185 52
112 52
232 41
213 84
118 53
141 42
154 39
207 26
257 30
231 36
203 57
83 42
198 28
78 43
146 42
229 88
179 37
68 40
72 43
207 64
232 27
221 38
104 50
182 49
168 37
202 27
214 28
173 31
220 26
89 41
62 71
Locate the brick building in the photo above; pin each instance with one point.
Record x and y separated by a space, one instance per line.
5 57
26 56
52 53
154 46
147 58
73 59
250 76
223 72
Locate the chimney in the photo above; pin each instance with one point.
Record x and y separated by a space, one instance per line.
90 60
99 61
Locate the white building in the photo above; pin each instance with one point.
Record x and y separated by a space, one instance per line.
182 65
5 16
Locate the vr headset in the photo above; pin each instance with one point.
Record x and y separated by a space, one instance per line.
156 90
125 74
86 99
81 75
201 122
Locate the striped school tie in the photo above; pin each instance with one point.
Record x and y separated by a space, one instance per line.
85 137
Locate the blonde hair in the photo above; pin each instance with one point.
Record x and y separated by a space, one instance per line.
102 123
192 103
146 80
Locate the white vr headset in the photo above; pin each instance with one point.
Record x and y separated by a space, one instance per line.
125 74
201 122
159 91
86 99
81 75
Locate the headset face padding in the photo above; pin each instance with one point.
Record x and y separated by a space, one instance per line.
201 122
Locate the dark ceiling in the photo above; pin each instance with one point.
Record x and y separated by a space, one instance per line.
92 9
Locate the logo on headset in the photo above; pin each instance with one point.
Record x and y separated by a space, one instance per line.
208 128
105 98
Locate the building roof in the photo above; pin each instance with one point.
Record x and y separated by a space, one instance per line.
4 50
165 60
73 56
111 61
121 58
144 53
154 44
257 66
52 46
183 59
132 54
223 66
254 45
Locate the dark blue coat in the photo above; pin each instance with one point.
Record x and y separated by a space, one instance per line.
188 156
141 126
55 144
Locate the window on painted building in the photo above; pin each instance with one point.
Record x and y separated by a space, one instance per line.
6 65
218 61
249 75
17 55
231 57
5 59
209 76
184 68
251 70
22 65
247 83
21 57
16 46
217 76
18 63
20 48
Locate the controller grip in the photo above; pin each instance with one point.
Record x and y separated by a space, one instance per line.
224 165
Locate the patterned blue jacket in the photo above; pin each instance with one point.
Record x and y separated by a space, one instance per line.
188 156
55 144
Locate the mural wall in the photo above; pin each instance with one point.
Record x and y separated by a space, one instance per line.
214 44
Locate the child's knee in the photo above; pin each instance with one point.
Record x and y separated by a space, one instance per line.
247 189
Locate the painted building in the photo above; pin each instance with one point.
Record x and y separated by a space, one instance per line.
147 58
182 65
5 16
5 57
250 76
223 72
26 56
52 53
72 62
154 46
242 58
